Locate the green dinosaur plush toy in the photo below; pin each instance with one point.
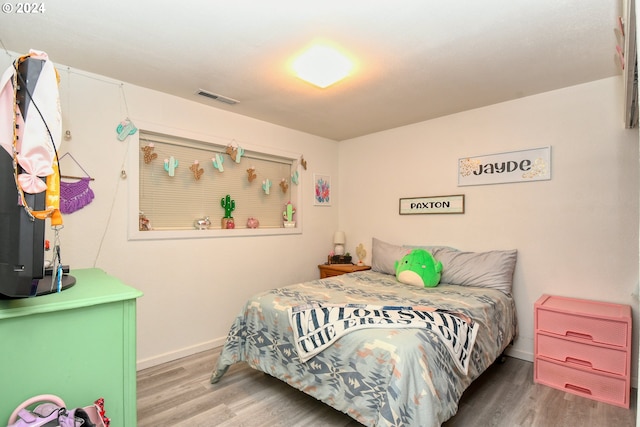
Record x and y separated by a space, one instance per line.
419 268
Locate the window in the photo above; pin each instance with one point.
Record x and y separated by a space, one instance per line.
181 181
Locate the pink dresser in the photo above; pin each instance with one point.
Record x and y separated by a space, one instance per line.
583 347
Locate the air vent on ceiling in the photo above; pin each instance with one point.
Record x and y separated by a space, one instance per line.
217 97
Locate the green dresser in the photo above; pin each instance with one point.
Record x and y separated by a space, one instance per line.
79 344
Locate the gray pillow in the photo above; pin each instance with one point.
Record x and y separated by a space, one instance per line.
429 248
384 256
493 269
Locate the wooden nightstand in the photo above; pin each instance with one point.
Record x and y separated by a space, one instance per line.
328 270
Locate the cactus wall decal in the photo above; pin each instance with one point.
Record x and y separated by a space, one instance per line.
266 185
149 155
240 153
251 174
228 204
196 169
284 185
218 160
235 153
295 176
170 165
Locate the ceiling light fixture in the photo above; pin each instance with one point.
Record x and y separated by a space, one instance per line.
322 66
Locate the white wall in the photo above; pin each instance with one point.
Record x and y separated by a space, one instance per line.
192 288
576 235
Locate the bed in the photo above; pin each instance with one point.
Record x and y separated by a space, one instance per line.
383 376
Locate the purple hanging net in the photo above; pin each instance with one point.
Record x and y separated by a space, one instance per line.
75 195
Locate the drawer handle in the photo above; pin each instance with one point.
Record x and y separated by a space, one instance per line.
578 361
579 335
577 388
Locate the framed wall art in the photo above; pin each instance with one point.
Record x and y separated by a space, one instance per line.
322 190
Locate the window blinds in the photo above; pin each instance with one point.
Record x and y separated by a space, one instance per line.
176 202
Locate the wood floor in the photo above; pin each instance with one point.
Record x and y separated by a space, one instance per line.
178 394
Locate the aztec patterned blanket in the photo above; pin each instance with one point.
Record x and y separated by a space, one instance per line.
378 376
317 326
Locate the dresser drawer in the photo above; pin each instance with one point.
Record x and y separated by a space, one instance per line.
572 352
588 384
589 329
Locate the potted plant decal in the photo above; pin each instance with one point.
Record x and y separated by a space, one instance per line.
229 206
289 210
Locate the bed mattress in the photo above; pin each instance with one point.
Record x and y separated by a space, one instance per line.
379 376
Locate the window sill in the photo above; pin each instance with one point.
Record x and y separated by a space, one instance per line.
174 234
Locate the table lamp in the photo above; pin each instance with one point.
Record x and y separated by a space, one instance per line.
338 240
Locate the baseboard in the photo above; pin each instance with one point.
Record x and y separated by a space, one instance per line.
519 354
179 354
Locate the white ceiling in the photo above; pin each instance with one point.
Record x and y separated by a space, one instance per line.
416 59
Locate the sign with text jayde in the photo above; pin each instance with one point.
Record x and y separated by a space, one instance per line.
513 166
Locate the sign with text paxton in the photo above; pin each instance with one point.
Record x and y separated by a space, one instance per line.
514 166
432 205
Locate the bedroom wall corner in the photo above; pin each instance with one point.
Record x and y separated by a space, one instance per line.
576 234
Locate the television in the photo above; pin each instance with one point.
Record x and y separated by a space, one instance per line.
22 237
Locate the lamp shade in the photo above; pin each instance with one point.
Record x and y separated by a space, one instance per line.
339 238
